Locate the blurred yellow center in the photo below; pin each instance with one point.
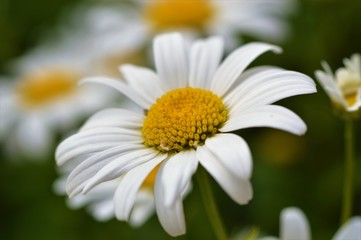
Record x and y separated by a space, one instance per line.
163 14
349 87
40 88
351 99
349 90
183 118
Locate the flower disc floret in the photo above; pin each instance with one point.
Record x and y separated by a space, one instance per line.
183 118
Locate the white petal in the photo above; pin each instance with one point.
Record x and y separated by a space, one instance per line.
350 230
119 166
294 225
171 218
250 76
118 135
8 111
176 174
127 190
34 137
94 140
144 81
114 117
121 87
239 189
265 116
170 55
103 210
204 59
233 152
235 64
143 208
89 167
329 84
268 87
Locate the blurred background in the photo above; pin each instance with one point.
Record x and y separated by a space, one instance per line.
306 171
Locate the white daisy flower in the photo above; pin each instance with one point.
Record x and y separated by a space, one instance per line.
261 19
99 201
295 226
111 39
344 88
44 98
191 104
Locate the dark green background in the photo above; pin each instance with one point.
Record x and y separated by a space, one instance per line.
311 178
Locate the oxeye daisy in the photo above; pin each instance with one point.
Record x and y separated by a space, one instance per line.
294 225
99 201
344 88
191 105
43 99
110 39
230 19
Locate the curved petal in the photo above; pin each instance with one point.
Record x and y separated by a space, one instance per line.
248 80
269 88
205 57
350 230
265 116
171 218
235 64
120 165
143 208
89 167
127 190
94 140
114 117
294 224
170 55
249 76
176 174
239 189
121 87
329 85
33 137
144 81
103 210
233 152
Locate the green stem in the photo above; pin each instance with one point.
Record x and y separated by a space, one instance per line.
210 204
348 174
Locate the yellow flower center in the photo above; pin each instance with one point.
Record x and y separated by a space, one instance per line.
182 119
165 14
349 89
42 87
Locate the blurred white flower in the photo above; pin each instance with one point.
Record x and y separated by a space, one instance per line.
295 226
108 34
99 201
43 99
261 19
190 105
344 88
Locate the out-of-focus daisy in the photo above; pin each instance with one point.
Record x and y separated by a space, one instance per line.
344 88
294 225
231 19
44 98
99 201
110 37
190 105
